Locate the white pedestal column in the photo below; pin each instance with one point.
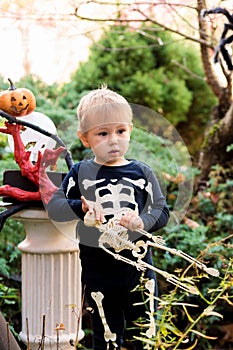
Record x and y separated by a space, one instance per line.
51 281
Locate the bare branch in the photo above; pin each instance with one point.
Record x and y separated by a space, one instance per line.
142 11
185 68
186 36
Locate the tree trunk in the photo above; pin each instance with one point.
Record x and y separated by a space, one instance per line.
214 150
218 133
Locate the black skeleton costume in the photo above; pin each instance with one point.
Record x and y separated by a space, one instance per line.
132 186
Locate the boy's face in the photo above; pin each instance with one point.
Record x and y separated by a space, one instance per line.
108 142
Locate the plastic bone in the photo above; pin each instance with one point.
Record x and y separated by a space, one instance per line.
171 278
209 270
112 239
150 285
115 236
158 242
108 335
137 264
117 241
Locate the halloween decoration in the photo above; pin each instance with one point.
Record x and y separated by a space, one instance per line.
151 331
32 139
108 335
12 120
115 236
113 239
17 102
32 169
223 40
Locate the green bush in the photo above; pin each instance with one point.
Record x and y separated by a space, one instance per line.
166 77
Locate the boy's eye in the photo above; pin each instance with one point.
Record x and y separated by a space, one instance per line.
102 133
121 131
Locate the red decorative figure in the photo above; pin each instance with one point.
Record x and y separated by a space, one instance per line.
15 104
36 173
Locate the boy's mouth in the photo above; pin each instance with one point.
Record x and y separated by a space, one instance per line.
114 151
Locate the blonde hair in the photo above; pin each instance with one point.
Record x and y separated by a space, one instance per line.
102 106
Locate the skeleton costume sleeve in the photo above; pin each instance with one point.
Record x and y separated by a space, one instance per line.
60 208
131 186
155 214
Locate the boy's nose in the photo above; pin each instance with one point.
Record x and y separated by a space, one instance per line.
112 140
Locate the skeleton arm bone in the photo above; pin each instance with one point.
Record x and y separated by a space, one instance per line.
139 250
158 242
187 257
170 278
122 258
156 239
141 265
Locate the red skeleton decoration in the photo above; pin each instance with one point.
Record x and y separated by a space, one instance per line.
36 173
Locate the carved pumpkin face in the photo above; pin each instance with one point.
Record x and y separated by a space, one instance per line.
17 102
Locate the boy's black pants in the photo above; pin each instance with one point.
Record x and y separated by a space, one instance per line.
122 304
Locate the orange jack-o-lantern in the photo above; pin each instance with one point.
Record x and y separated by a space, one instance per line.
17 102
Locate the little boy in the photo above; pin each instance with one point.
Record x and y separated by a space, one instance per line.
110 186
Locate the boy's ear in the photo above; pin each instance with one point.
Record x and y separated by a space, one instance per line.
83 139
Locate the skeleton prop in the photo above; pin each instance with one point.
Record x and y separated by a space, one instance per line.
150 286
108 335
116 236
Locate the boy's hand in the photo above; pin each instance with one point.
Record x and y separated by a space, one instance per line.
131 221
93 208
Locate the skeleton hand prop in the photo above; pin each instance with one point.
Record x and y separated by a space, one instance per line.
94 212
90 220
108 335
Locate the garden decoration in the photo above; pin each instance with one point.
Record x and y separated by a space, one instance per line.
108 335
33 140
33 169
223 40
116 236
34 151
12 120
35 173
17 101
150 286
